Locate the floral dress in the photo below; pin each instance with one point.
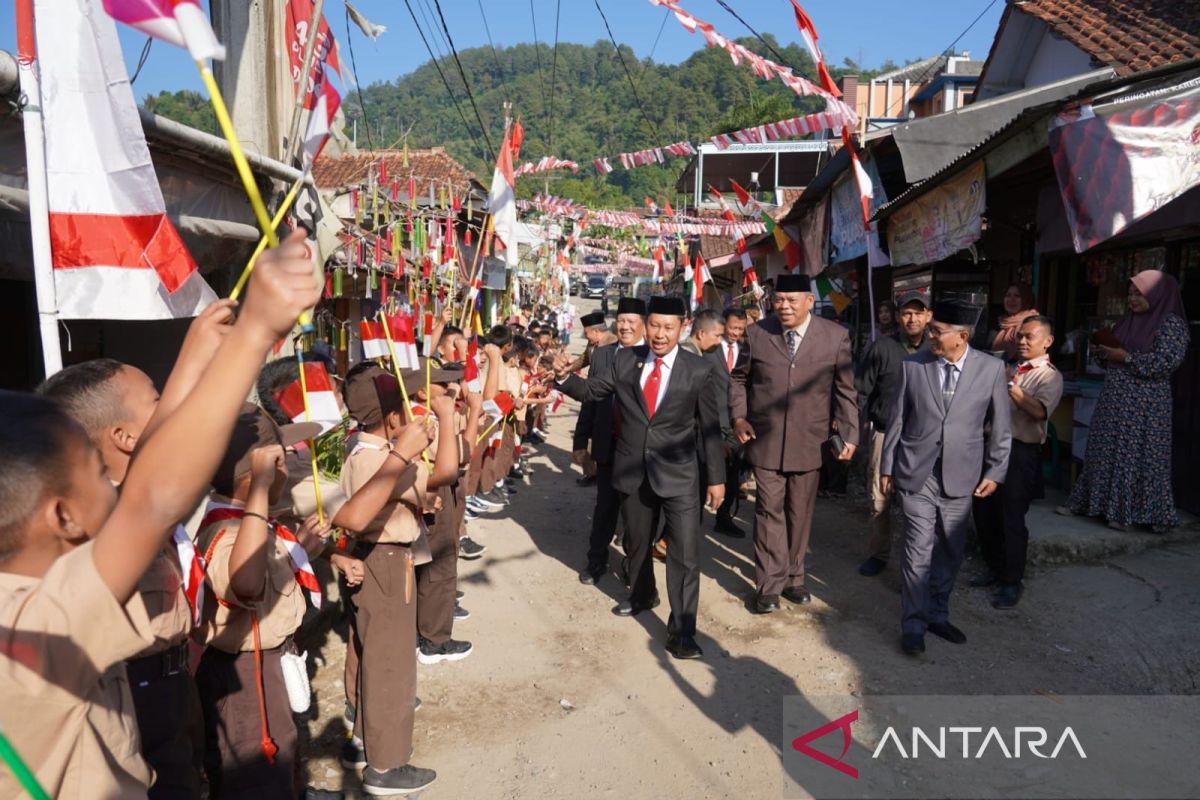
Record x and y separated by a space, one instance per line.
1127 468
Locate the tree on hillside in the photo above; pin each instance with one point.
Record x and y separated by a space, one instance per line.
186 107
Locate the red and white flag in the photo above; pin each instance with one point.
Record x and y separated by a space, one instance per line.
320 118
114 252
471 368
374 342
191 564
404 340
866 189
502 203
182 23
322 402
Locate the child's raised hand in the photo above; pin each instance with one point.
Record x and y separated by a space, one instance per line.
416 436
283 286
443 407
264 461
205 334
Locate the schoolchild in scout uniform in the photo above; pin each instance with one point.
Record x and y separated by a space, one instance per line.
72 551
258 576
390 546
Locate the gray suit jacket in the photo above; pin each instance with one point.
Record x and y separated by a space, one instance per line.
920 430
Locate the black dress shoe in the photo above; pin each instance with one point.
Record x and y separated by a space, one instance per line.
1007 596
627 608
683 647
872 567
983 579
912 643
727 526
798 595
948 632
586 480
590 577
765 604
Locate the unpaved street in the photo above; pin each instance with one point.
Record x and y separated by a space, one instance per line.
563 699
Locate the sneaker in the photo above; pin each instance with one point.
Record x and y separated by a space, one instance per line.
416 704
504 489
470 515
541 433
348 717
469 549
459 594
495 497
460 613
399 781
484 503
353 754
450 650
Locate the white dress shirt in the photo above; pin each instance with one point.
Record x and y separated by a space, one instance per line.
668 363
958 367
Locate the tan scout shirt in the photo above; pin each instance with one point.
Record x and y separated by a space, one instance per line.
64 697
299 499
1045 384
226 621
398 522
161 590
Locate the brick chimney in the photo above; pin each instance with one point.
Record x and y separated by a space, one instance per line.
849 86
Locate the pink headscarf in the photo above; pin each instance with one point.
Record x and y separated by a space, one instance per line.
1137 331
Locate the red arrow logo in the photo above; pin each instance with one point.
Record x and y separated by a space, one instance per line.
800 743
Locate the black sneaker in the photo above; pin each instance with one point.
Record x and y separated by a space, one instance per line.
470 515
496 497
450 650
416 704
353 755
459 594
469 549
348 717
460 613
401 780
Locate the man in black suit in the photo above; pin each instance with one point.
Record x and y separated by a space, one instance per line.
663 394
597 423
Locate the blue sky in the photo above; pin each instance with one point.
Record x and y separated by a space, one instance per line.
868 31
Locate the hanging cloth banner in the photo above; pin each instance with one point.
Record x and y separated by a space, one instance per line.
1115 169
937 225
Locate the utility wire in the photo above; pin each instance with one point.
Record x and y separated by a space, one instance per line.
757 35
554 70
537 51
485 152
142 59
488 31
621 57
927 71
361 105
653 47
454 52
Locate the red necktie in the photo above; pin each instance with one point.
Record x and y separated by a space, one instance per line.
650 390
729 358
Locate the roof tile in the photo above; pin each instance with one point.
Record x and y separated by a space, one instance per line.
434 164
1128 35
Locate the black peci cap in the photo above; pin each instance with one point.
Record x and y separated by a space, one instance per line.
592 320
631 305
665 304
955 312
792 283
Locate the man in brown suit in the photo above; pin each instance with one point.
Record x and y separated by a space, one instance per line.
795 378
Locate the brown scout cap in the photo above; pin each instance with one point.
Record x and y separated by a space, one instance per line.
255 428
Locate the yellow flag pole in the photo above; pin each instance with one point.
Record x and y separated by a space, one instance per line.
387 333
243 167
262 242
312 445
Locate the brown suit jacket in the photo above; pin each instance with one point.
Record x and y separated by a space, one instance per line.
790 403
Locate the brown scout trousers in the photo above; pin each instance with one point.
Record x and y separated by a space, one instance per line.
233 758
385 630
437 581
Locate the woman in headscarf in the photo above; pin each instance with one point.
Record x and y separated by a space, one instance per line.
1127 468
1018 305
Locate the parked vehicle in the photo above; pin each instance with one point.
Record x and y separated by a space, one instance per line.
594 285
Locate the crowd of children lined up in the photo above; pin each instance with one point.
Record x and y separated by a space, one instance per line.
108 592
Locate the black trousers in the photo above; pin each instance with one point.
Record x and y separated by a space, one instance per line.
733 480
642 511
1000 519
604 519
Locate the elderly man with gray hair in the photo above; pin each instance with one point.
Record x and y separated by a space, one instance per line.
947 442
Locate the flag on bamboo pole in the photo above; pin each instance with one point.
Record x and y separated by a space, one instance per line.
182 23
695 276
114 252
502 203
322 403
320 119
866 189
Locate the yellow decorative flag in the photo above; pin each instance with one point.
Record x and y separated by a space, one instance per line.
839 300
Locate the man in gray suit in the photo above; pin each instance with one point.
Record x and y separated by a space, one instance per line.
939 452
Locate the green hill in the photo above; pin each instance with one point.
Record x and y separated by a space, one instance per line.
589 111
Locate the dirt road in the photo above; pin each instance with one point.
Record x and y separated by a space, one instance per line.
563 699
